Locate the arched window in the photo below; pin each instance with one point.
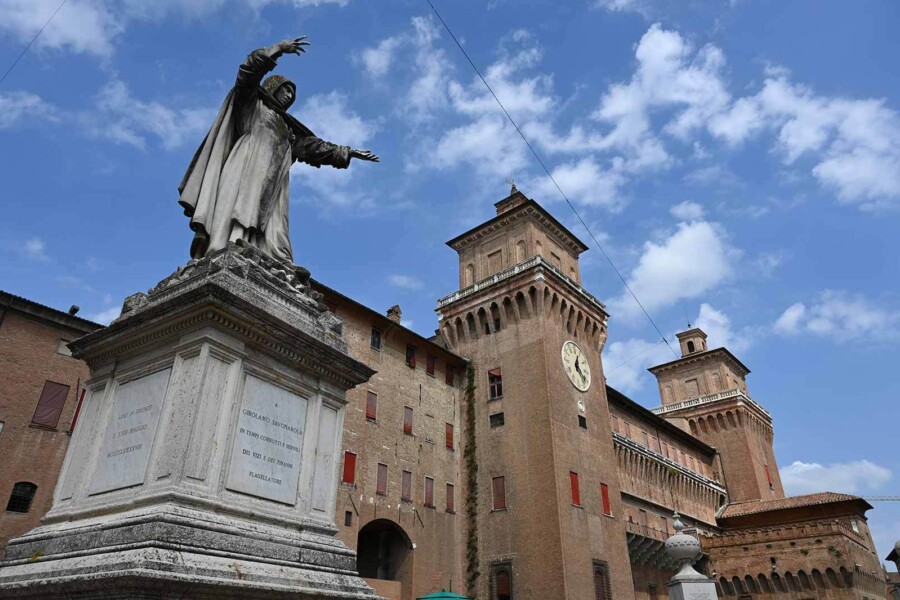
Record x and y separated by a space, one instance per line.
520 251
690 346
502 584
21 497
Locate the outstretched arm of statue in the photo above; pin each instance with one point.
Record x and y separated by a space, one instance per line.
259 62
316 152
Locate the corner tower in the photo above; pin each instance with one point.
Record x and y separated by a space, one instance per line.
548 510
705 391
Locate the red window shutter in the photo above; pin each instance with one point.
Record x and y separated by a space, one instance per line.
499 489
349 467
406 486
50 404
576 492
604 494
448 375
429 365
768 475
407 419
429 491
449 435
371 406
451 502
615 424
381 482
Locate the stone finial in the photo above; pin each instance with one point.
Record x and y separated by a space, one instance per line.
394 313
684 549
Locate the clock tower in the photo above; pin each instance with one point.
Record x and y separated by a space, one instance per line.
548 518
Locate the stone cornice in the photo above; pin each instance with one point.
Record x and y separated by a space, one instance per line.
529 209
735 394
45 313
621 440
537 263
716 353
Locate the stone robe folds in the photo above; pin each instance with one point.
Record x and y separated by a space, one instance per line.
237 186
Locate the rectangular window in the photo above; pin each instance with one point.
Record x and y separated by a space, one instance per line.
371 405
448 375
582 422
665 525
683 462
429 365
645 439
411 356
375 340
576 492
381 480
642 515
495 384
693 463
615 424
448 435
406 486
627 430
348 518
429 492
451 501
349 467
665 450
497 420
407 420
498 486
654 444
604 495
50 404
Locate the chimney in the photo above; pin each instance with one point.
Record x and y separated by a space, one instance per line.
393 313
515 198
73 310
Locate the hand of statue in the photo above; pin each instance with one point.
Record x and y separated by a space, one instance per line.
294 46
364 155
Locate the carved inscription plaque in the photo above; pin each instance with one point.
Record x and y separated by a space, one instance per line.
129 435
265 460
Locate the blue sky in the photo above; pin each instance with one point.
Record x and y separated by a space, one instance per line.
740 162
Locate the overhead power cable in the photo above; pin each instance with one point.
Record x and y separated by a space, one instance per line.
547 171
18 58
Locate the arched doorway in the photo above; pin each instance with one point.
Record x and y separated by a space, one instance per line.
384 551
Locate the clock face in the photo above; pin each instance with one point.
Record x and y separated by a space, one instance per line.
576 365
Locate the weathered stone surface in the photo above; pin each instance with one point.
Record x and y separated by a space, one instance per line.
203 464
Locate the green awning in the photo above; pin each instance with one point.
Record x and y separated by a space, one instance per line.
442 595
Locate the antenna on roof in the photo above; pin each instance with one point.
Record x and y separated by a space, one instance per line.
686 317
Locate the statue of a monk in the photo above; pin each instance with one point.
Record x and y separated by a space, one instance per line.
237 184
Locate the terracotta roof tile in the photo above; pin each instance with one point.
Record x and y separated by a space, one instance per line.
750 507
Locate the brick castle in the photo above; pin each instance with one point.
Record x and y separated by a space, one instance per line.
493 459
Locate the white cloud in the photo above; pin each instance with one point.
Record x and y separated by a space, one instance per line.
841 316
18 107
106 316
124 119
330 117
717 326
483 145
408 323
34 248
687 211
95 27
687 264
854 144
625 363
853 477
584 182
406 282
378 60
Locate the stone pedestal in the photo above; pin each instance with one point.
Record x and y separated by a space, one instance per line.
204 461
687 584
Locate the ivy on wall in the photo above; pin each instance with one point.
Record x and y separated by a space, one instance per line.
472 572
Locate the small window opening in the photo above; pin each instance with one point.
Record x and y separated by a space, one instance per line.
690 346
21 497
497 420
348 518
495 384
582 422
375 340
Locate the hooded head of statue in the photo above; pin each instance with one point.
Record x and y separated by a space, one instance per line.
281 89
